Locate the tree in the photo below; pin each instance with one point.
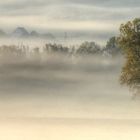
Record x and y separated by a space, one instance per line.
129 42
56 48
88 48
112 47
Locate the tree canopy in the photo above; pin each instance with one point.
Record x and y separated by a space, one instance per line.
88 48
112 47
129 42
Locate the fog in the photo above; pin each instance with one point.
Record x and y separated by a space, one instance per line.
73 38
67 94
58 97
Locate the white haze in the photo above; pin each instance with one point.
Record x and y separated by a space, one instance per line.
63 98
59 98
38 42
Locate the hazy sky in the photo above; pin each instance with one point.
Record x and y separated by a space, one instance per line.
94 15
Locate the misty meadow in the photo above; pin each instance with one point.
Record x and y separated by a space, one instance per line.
69 70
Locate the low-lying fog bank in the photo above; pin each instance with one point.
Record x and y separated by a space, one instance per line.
38 42
57 96
59 86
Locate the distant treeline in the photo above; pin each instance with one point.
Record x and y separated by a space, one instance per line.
86 48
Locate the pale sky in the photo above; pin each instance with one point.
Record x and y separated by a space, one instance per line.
101 16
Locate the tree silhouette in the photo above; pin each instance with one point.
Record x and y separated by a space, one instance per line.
88 48
129 41
112 47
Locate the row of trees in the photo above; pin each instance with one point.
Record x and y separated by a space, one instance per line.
86 48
